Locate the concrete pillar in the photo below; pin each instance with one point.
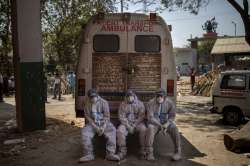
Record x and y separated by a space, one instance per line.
27 50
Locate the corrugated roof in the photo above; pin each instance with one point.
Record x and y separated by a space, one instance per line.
230 45
236 71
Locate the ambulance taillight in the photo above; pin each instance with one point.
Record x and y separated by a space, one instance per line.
170 87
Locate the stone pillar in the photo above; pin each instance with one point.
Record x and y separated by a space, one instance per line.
28 64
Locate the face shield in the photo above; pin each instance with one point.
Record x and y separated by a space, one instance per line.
160 99
130 99
93 99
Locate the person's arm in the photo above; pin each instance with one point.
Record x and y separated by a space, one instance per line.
150 116
141 115
171 111
171 116
88 117
106 114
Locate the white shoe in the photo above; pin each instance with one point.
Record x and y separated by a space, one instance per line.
112 157
176 156
150 157
86 158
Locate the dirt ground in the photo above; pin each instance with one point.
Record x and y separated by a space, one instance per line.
60 144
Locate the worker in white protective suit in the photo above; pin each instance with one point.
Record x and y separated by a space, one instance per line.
97 116
131 115
161 117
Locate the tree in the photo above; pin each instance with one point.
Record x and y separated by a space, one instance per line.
205 47
5 35
61 25
192 6
243 11
204 51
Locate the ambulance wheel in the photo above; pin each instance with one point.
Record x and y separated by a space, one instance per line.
232 116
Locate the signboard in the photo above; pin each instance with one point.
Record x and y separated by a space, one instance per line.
123 26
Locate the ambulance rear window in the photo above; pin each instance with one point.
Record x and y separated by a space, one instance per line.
234 82
106 43
147 43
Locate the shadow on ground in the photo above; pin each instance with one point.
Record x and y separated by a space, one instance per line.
60 145
7 120
7 111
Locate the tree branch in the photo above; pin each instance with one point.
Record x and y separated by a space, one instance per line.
244 16
238 8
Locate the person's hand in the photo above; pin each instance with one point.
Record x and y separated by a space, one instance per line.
165 125
100 131
131 129
133 125
161 127
164 131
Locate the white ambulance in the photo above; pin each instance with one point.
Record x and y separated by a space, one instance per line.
123 51
231 96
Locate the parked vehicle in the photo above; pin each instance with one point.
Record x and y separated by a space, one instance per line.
125 51
231 96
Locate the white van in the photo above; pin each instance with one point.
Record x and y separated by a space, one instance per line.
231 95
121 51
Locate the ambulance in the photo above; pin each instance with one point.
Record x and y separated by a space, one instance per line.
121 51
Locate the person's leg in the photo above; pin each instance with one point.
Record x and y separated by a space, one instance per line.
59 91
69 89
6 86
122 133
87 135
45 91
175 135
141 128
55 91
1 92
110 135
149 142
73 91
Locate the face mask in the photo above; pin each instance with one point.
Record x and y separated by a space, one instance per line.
160 100
93 99
131 99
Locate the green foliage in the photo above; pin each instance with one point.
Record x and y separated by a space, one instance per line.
192 6
5 36
205 47
62 22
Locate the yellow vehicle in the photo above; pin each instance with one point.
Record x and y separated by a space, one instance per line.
123 51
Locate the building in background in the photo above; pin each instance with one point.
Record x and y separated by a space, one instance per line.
231 52
185 59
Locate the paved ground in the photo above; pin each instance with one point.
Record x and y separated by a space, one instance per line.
201 133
